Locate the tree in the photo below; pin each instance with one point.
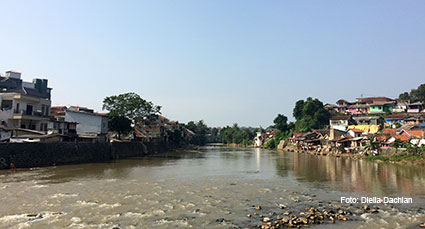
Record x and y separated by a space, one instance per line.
200 130
418 95
415 95
131 106
404 96
119 124
372 144
298 109
310 114
281 123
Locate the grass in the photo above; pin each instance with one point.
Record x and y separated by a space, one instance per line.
399 157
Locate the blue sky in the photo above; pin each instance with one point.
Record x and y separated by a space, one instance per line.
220 61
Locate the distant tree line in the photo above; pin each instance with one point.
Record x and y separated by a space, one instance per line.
415 95
201 130
238 135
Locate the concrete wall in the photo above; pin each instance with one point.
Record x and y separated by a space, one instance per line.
88 123
28 155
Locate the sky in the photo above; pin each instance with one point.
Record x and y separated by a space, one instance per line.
221 61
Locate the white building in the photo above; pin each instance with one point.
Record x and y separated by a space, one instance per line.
21 108
89 123
24 104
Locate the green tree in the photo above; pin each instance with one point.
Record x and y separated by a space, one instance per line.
310 114
298 109
281 123
415 95
131 106
418 95
404 96
200 129
119 124
372 144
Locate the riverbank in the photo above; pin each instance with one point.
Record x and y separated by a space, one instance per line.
386 156
29 155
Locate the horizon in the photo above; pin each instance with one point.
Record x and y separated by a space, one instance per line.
255 59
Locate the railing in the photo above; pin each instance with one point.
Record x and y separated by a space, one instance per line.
26 112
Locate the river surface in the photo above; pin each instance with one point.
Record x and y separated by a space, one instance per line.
209 187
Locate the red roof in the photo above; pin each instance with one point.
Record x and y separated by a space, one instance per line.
415 133
368 99
396 116
403 138
298 134
382 138
389 131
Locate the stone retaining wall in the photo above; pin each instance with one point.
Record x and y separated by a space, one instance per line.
28 155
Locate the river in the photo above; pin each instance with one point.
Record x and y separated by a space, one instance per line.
209 187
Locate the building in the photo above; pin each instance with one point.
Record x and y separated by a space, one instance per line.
342 106
369 120
395 119
90 125
24 104
340 122
415 107
376 104
400 106
381 107
355 133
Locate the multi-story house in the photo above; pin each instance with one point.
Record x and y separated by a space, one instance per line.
23 104
377 104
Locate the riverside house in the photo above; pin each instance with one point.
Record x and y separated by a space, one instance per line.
415 107
340 122
24 104
90 126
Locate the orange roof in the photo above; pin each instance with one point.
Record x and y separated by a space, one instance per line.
357 130
403 138
382 138
389 131
415 133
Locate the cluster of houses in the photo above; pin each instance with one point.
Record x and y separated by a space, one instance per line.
353 124
26 115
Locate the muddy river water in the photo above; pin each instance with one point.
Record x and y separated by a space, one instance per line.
209 187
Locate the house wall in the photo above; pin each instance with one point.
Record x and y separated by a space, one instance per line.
19 103
338 122
376 109
88 123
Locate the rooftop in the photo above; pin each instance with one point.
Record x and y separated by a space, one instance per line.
340 117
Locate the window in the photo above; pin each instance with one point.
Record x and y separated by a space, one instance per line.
6 104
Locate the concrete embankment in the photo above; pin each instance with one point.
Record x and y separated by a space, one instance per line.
28 155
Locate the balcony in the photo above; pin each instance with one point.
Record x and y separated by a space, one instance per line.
23 112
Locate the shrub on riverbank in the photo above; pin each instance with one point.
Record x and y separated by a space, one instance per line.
398 157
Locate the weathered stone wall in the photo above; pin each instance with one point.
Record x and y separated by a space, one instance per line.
28 155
